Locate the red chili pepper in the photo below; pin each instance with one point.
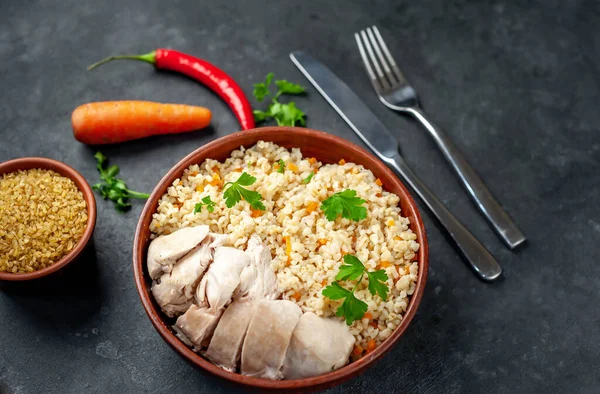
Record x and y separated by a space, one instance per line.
204 72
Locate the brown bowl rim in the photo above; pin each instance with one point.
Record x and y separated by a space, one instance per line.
27 163
317 382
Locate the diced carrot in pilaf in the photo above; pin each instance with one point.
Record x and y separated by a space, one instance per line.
371 345
312 206
292 167
378 182
342 162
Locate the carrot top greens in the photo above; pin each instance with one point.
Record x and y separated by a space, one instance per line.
352 308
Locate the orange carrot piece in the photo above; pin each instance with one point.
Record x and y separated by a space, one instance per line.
371 345
368 315
111 122
311 207
378 182
357 350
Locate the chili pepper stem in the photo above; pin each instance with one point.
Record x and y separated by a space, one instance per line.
148 58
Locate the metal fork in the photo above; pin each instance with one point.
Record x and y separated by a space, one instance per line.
395 93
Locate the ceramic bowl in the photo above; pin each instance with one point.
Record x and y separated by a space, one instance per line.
326 148
28 163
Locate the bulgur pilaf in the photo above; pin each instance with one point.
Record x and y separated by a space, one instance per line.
307 249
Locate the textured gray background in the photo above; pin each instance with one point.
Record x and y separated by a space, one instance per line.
515 84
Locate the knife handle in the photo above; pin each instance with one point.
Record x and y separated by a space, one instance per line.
483 198
480 259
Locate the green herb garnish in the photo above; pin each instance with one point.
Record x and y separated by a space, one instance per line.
352 308
308 178
113 188
284 114
235 192
206 201
344 204
281 166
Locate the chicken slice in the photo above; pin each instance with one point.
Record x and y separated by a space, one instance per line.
196 325
213 293
226 343
164 251
222 278
268 337
174 291
318 345
258 279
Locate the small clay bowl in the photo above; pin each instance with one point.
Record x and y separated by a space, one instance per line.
326 148
27 163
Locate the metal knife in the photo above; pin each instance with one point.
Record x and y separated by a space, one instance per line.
376 136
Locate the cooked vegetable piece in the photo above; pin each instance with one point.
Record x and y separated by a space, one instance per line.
281 166
308 178
112 122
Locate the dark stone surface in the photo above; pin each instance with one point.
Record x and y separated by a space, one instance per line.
515 84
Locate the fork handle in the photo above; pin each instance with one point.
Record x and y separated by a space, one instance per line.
480 259
485 201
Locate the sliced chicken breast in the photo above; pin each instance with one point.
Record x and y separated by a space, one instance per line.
318 345
258 279
222 278
226 343
213 293
174 291
268 338
196 326
164 251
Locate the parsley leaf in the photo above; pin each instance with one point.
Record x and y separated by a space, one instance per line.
206 201
281 166
335 291
261 90
344 204
284 114
113 188
377 283
351 269
286 87
352 308
308 178
234 192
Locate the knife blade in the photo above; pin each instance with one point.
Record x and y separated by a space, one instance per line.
377 137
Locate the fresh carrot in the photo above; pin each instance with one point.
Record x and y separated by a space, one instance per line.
111 122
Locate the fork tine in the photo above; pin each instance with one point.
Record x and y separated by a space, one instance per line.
387 53
386 68
365 59
382 80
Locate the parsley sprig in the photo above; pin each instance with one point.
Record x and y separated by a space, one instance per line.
344 204
207 202
284 114
352 308
113 188
234 192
